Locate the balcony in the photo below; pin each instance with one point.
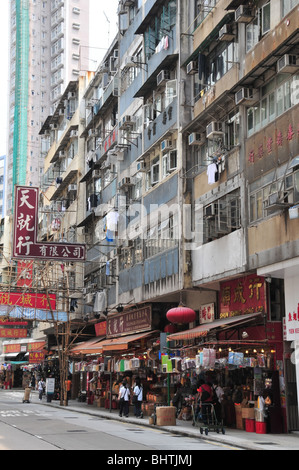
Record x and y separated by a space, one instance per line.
217 91
102 105
158 61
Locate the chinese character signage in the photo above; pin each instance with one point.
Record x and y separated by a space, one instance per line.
12 348
25 245
291 325
36 346
243 296
12 333
36 357
129 322
206 313
28 300
100 328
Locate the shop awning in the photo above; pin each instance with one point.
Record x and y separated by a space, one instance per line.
92 346
122 343
203 330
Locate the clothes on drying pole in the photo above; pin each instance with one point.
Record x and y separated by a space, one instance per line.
163 44
100 302
110 225
112 220
212 172
108 268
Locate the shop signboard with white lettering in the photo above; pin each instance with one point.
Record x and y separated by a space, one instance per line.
25 245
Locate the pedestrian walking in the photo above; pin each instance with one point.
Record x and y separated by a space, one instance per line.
124 399
41 388
137 398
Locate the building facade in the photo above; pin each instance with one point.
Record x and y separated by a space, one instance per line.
177 163
45 40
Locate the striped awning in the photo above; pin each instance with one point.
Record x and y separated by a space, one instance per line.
92 346
122 343
220 325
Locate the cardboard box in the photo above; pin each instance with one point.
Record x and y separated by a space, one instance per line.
248 413
240 422
166 415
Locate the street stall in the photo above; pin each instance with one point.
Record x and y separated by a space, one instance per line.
241 352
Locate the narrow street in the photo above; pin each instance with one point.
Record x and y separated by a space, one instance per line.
34 426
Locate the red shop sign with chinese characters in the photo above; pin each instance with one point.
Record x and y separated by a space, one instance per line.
242 296
28 300
25 245
12 333
101 328
36 357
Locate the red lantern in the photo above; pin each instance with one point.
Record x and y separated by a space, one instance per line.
181 315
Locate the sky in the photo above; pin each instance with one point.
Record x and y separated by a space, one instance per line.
103 30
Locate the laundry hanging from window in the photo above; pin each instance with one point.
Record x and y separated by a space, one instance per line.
212 172
110 225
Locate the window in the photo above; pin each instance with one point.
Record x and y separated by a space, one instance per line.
258 27
265 18
262 199
170 92
222 217
288 5
155 171
277 97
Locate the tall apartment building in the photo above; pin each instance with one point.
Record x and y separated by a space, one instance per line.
45 39
184 168
201 168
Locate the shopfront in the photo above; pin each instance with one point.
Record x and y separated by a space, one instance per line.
241 351
131 348
18 362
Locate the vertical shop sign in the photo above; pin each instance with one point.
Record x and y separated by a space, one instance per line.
206 313
25 245
243 296
291 325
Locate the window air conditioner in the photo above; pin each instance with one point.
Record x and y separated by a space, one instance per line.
131 61
141 167
96 174
195 139
163 76
166 145
287 64
192 68
61 154
243 14
71 95
72 188
74 134
273 199
93 133
246 96
225 33
214 129
125 182
127 121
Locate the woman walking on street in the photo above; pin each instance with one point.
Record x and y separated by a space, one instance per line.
137 398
